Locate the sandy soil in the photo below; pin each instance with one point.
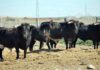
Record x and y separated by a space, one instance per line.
57 59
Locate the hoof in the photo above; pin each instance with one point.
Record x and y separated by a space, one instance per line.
17 58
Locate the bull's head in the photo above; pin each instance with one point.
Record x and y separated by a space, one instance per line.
24 32
38 34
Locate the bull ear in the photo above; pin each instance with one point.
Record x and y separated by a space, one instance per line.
19 29
31 27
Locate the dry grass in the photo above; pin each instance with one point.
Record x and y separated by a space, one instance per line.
57 59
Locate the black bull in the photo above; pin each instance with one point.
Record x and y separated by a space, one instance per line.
89 32
66 30
18 37
36 35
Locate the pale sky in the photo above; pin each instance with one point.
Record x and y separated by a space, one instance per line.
50 8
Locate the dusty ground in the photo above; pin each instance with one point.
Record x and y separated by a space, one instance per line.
58 59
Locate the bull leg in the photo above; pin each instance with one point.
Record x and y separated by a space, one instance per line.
1 57
51 44
41 45
55 45
74 43
66 42
31 45
48 45
25 53
94 43
17 51
97 44
70 44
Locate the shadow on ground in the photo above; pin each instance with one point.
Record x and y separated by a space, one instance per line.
46 50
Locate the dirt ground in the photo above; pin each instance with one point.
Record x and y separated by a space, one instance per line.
58 59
